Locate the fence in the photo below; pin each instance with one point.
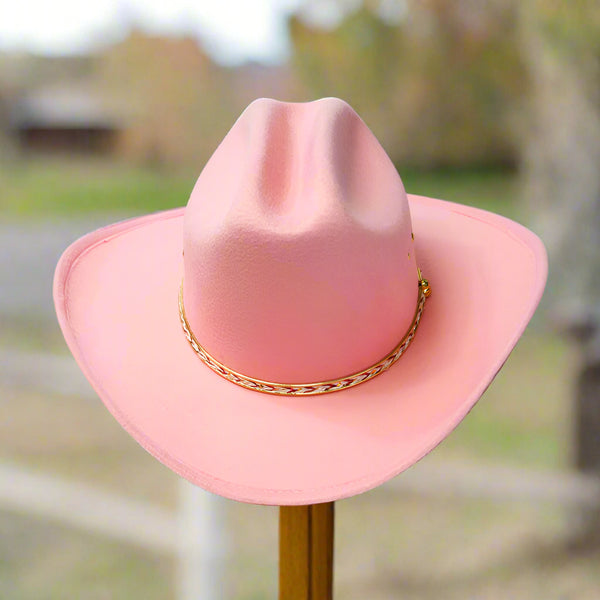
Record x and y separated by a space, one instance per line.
196 531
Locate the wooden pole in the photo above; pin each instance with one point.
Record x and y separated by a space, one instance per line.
306 552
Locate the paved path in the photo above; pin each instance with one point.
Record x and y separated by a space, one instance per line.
29 254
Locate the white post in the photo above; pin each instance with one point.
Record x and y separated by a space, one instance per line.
201 544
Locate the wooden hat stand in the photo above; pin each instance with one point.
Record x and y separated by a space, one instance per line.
306 552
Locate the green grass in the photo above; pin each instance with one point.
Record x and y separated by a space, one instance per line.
58 188
29 333
40 560
496 190
523 418
62 187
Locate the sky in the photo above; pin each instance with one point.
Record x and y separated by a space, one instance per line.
233 31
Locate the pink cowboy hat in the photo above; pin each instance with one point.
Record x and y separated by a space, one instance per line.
214 333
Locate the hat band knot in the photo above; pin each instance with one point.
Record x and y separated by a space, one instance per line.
308 389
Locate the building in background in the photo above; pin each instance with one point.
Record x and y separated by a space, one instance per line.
64 119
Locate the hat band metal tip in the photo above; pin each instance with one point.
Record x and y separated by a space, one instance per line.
308 389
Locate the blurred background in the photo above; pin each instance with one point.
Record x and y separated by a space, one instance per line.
110 109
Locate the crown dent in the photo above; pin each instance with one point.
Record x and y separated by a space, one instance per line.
288 237
324 159
275 158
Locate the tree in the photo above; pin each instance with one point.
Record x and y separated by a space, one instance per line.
438 87
173 96
561 162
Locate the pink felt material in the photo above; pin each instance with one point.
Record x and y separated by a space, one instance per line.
287 264
294 250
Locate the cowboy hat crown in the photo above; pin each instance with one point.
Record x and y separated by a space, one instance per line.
287 273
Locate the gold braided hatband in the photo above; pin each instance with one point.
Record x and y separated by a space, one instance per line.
308 389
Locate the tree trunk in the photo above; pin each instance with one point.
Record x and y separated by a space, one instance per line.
561 159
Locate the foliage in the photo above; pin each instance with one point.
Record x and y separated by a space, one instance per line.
440 88
171 94
574 26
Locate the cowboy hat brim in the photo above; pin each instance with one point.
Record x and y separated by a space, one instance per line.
116 296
